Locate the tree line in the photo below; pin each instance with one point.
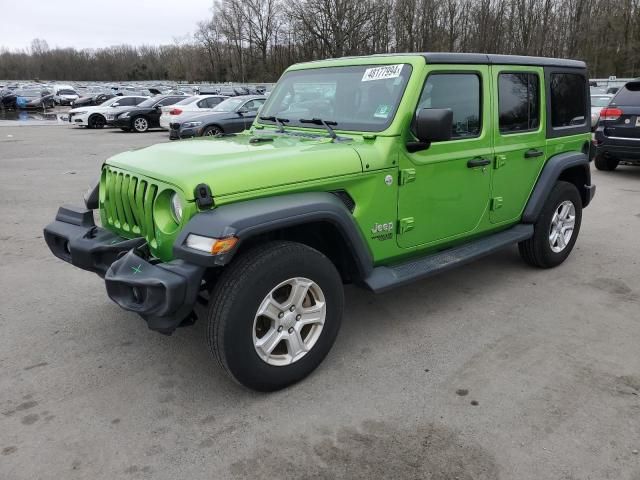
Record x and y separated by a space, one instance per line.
255 40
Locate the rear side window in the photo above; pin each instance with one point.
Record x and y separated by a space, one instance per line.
518 102
628 95
568 100
459 92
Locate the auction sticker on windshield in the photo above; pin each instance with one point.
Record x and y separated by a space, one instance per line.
382 73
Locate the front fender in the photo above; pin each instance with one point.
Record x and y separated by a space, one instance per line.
253 217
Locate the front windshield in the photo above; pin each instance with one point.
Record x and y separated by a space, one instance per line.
66 92
600 101
361 98
228 105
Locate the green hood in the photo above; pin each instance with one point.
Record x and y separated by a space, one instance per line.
233 164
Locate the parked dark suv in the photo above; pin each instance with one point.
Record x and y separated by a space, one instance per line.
618 133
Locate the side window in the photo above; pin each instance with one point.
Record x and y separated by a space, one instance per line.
568 100
204 103
253 105
518 102
125 102
459 92
213 101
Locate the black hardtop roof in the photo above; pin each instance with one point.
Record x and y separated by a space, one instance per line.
486 59
494 59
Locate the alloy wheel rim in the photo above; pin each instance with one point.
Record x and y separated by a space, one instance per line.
140 124
562 225
212 133
289 321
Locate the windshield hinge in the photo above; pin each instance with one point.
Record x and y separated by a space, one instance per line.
407 175
406 225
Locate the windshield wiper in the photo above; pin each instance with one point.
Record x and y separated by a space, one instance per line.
325 123
277 120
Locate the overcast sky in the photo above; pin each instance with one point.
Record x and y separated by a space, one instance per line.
94 24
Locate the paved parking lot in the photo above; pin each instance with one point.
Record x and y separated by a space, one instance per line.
495 371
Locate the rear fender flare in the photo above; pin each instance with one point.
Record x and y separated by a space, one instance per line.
550 175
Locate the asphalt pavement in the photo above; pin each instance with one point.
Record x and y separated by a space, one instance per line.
493 371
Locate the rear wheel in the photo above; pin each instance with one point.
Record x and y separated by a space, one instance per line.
606 164
212 131
557 228
140 124
274 314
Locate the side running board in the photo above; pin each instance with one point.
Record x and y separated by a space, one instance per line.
388 277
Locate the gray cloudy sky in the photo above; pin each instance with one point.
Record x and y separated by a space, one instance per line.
94 24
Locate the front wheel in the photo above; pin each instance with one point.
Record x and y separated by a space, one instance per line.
97 121
212 131
274 314
140 124
556 231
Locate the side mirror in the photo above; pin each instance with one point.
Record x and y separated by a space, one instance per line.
242 111
434 125
113 105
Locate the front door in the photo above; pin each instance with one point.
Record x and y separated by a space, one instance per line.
444 191
519 139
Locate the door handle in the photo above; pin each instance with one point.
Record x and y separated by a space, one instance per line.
533 153
478 162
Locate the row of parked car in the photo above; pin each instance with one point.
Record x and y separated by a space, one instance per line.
183 116
42 96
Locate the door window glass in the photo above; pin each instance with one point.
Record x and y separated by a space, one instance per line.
518 102
459 92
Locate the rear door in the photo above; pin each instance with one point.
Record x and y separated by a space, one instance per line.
622 118
519 140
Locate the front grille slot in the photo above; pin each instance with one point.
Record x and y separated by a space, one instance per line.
128 204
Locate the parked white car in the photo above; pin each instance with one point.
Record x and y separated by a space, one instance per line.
598 102
198 103
64 94
96 116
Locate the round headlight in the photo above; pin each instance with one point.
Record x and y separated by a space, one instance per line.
176 208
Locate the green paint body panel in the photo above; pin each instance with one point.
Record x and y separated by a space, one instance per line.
431 196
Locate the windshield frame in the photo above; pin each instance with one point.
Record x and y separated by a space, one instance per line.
373 129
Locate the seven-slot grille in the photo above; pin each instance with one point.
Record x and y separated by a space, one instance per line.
128 203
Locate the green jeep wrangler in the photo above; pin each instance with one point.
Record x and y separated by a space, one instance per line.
377 170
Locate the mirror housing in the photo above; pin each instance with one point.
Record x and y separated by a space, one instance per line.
434 125
242 111
114 105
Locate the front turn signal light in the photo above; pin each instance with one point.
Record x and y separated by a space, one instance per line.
214 246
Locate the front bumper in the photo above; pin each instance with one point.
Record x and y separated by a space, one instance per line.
164 294
182 133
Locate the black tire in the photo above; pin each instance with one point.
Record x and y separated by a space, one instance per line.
235 301
537 250
212 131
606 164
96 121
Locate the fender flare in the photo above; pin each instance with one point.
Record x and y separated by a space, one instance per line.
551 172
252 217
